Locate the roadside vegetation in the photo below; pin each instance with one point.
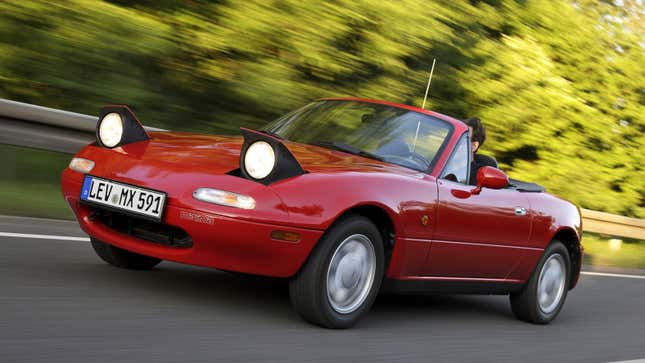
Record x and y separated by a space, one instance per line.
30 183
560 84
603 250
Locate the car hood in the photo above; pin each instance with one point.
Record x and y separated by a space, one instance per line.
221 154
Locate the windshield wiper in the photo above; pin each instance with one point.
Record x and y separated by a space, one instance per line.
346 148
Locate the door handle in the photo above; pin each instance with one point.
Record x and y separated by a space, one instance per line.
520 211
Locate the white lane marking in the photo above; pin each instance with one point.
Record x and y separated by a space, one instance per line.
630 361
44 236
613 275
86 239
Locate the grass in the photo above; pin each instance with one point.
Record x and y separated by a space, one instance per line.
603 250
30 183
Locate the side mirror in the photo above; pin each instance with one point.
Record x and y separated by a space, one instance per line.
489 177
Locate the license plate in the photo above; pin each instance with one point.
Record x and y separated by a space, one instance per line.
123 197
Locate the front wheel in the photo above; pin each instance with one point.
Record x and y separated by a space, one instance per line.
121 258
340 280
544 294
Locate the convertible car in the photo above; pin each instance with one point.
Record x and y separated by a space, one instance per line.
344 197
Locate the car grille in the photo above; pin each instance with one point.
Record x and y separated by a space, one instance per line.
146 230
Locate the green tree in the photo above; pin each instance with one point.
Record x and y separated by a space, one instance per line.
559 84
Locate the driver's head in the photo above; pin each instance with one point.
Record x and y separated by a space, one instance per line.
477 133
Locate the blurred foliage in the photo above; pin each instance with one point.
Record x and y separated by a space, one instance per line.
560 84
604 250
30 183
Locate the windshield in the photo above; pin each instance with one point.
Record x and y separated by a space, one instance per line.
382 132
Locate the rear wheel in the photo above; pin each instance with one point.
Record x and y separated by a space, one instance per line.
544 294
340 280
121 258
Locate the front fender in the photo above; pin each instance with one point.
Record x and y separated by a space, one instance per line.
316 200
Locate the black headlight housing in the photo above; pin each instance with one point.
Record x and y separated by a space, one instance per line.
133 130
285 166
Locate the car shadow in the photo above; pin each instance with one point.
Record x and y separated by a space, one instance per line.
215 292
438 305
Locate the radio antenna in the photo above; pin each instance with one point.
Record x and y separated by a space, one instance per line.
423 106
428 86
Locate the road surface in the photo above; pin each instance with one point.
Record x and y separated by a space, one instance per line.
60 303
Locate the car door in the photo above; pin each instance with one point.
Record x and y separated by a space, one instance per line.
476 235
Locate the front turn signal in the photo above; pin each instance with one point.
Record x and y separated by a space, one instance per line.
222 197
81 165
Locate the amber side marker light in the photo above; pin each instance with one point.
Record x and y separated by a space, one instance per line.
285 236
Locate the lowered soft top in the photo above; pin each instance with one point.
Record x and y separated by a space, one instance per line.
525 186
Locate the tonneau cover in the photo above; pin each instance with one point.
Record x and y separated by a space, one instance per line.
525 186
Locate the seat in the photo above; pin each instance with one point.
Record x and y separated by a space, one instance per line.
485 160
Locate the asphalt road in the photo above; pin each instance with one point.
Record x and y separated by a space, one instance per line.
60 303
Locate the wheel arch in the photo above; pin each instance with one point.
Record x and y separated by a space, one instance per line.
571 241
382 219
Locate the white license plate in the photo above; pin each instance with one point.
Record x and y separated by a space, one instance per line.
123 197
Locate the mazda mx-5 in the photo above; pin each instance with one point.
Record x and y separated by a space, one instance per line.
343 197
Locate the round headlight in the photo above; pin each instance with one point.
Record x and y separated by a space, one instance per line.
111 129
259 160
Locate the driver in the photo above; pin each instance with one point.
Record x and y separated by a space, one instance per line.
477 137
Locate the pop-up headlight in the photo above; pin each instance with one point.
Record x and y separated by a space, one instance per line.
266 159
117 126
259 160
111 129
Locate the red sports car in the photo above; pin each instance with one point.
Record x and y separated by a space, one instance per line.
344 197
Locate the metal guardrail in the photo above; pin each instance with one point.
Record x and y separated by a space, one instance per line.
614 225
46 128
50 116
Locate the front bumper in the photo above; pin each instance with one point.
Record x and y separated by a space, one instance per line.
221 242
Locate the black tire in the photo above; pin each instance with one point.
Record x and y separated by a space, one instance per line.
121 258
525 304
308 288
